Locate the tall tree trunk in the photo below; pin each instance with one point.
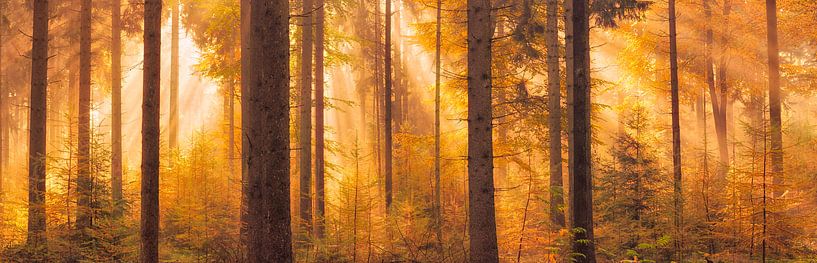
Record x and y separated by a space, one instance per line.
481 210
568 16
2 116
306 118
717 99
557 217
723 145
387 104
320 207
150 132
37 121
84 213
774 97
246 69
173 123
581 179
116 105
267 152
438 216
676 132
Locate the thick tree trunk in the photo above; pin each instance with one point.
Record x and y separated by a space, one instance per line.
84 213
438 216
568 16
150 132
116 105
268 151
320 204
387 100
676 133
557 217
305 133
774 97
581 179
2 118
173 123
37 121
481 211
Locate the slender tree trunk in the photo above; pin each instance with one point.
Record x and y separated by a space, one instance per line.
481 211
37 121
388 104
245 121
267 152
173 123
150 132
568 16
581 183
723 145
320 208
116 105
717 98
84 213
438 216
306 118
676 132
557 217
774 97
2 118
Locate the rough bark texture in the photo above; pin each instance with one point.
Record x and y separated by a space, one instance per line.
320 203
150 132
116 105
676 131
267 152
438 216
568 15
481 211
581 179
557 216
305 117
84 213
774 97
173 123
388 104
37 121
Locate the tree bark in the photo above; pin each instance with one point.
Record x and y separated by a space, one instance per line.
481 210
84 213
173 123
387 100
268 151
37 122
716 97
246 69
320 207
581 183
116 105
305 138
557 217
776 124
438 217
676 132
150 132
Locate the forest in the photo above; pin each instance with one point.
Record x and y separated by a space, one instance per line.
408 131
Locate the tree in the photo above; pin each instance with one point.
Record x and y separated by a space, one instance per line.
438 216
305 133
173 123
245 28
774 95
387 104
37 121
320 165
581 180
150 132
267 153
84 183
557 217
717 98
481 210
116 104
676 133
